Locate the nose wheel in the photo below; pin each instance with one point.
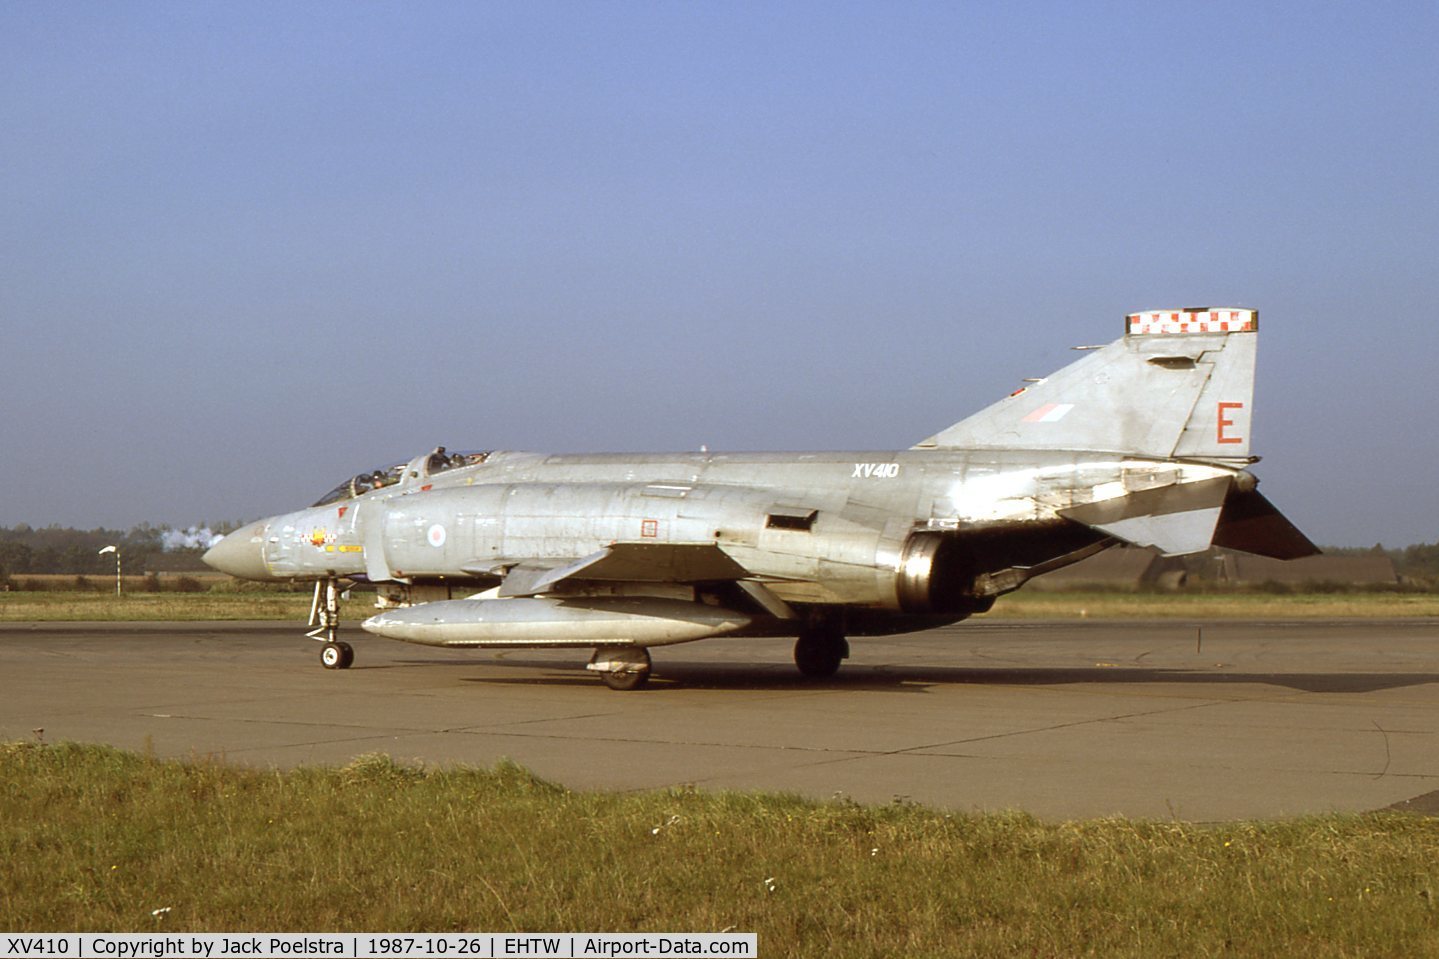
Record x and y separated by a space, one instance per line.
325 617
337 656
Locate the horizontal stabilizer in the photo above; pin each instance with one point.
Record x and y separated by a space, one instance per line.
1175 520
630 563
1251 524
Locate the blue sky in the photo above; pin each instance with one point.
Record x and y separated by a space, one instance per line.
247 249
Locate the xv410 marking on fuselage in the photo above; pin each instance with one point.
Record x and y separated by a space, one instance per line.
1144 441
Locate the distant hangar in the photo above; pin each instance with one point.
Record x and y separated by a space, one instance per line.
1144 568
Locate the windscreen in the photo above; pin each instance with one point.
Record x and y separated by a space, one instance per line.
439 461
362 483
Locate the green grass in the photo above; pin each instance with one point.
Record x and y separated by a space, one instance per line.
96 839
1097 604
74 606
223 602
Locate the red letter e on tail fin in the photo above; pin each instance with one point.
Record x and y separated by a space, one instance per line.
1224 421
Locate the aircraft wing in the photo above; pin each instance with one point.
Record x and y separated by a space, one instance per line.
628 563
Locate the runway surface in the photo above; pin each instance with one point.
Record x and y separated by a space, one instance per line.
1061 720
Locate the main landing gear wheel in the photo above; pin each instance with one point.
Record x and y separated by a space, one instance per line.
622 669
626 681
337 656
819 652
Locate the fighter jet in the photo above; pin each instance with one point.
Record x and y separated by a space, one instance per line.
1143 441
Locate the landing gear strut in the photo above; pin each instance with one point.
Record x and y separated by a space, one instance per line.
622 669
819 651
325 617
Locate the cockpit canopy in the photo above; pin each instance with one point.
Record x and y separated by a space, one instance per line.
437 462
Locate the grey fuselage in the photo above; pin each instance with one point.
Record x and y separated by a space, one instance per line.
1143 441
815 528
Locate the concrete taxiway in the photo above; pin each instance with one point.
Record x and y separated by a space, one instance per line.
1239 720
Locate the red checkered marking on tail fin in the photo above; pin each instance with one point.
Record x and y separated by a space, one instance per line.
1207 320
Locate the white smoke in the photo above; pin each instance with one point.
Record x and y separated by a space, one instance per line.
196 537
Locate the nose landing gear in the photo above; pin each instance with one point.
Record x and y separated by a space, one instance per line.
325 617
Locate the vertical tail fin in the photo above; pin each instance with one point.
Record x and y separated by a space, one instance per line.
1179 383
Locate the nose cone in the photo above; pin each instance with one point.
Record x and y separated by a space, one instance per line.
241 554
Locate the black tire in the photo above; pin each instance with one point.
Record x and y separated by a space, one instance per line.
625 681
337 656
819 653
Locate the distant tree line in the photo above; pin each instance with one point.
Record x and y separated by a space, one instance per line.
1417 562
60 549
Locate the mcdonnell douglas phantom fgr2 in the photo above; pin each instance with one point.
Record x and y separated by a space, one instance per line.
1144 441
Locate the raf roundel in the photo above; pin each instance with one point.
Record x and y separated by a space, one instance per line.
437 536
